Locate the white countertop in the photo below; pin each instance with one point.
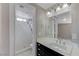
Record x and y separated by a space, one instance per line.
67 49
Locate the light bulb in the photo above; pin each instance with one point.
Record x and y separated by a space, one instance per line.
58 8
49 14
65 5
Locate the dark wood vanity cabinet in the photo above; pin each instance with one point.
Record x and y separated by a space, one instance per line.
45 51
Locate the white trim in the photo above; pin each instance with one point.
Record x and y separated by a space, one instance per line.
12 29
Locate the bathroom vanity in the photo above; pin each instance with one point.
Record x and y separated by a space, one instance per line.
45 51
55 47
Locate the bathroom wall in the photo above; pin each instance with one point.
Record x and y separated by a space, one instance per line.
41 22
44 25
75 22
4 29
65 31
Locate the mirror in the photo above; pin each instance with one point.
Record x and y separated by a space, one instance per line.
64 26
56 32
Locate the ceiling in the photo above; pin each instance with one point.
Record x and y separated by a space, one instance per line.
45 5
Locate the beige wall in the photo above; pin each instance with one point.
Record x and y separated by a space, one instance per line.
75 22
4 29
65 31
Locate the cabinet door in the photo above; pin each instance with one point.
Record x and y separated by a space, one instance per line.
45 51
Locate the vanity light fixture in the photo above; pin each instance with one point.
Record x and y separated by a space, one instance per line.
49 14
58 8
65 5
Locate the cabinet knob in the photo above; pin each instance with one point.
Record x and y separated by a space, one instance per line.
38 49
39 54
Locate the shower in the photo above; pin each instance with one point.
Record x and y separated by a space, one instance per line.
24 40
